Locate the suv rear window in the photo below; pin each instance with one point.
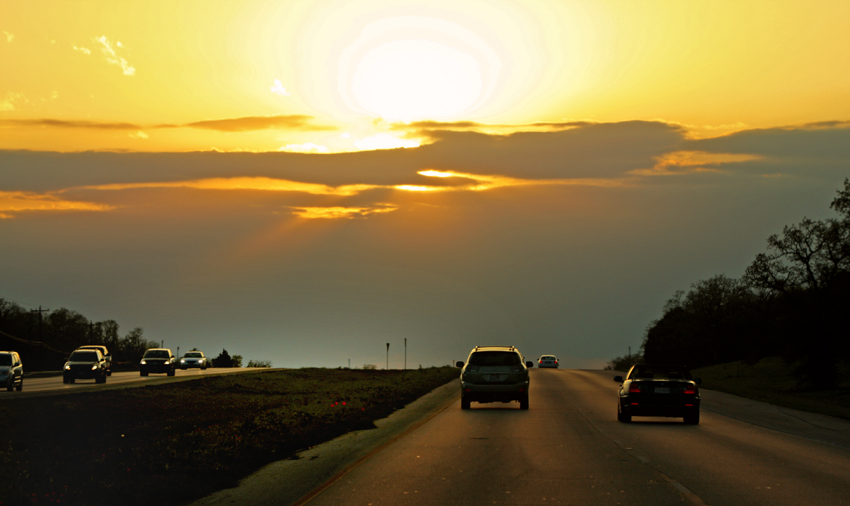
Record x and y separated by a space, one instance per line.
156 354
6 359
491 358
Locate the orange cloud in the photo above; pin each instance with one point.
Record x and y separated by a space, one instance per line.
681 162
16 202
243 183
342 212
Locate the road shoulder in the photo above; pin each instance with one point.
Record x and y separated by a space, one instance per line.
289 481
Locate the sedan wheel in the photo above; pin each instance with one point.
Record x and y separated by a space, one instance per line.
692 419
623 417
465 403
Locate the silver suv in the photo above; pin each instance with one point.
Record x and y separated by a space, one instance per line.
494 374
11 370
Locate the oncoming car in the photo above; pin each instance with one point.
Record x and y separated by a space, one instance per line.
494 374
86 363
11 371
193 358
547 361
158 360
658 390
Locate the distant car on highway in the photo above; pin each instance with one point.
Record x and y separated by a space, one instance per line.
494 374
11 370
547 361
158 360
658 390
85 364
194 358
104 351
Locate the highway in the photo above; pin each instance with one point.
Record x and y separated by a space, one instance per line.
41 385
569 449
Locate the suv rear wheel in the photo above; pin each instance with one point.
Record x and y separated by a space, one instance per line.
465 403
523 402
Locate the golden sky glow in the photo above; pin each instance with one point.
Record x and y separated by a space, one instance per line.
307 180
333 76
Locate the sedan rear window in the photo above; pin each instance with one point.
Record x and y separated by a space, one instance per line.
491 358
6 359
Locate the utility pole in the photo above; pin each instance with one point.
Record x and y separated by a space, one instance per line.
405 353
388 356
39 311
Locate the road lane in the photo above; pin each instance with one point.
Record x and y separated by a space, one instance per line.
568 448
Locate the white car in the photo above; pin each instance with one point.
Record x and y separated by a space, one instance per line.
548 361
193 359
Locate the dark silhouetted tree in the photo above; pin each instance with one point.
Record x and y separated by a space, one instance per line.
223 359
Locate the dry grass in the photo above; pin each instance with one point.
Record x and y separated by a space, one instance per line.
771 380
174 443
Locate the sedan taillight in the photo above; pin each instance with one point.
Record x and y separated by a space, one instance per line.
634 389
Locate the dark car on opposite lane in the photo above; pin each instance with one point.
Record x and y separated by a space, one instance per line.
85 364
658 390
158 360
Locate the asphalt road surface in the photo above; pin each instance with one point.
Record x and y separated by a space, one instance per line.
41 385
569 449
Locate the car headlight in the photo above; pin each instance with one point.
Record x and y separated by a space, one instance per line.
143 362
67 367
182 360
94 367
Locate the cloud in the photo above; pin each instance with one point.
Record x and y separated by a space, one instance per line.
793 150
245 124
57 123
239 183
15 202
83 50
681 162
9 36
279 89
139 135
8 103
337 212
249 123
112 56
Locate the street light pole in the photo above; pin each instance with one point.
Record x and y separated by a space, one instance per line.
388 356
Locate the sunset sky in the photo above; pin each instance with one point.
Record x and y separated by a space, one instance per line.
304 181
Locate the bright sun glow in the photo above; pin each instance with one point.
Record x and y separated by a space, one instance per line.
412 68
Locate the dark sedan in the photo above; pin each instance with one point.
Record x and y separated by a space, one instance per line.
658 390
158 360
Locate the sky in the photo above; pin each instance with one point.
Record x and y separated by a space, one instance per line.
306 181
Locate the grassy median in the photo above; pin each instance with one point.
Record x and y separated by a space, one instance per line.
176 442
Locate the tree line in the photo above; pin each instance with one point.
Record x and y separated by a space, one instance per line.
793 301
46 338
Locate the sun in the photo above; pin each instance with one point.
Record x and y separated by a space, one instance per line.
412 68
